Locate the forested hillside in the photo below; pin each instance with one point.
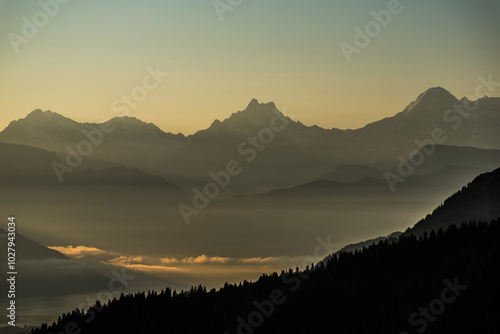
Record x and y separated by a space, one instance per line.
442 282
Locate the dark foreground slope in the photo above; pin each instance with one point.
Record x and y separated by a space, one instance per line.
445 282
478 200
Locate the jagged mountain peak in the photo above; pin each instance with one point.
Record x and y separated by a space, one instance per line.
129 119
259 116
255 113
255 104
39 114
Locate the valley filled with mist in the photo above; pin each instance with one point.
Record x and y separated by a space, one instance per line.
252 194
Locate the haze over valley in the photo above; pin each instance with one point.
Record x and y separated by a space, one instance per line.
234 166
296 185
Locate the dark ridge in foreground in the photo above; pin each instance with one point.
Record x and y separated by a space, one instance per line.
478 200
441 282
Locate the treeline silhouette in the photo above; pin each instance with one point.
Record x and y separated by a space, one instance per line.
375 290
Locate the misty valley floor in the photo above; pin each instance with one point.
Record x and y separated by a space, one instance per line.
112 223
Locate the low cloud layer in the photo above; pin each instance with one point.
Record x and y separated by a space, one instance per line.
78 252
172 264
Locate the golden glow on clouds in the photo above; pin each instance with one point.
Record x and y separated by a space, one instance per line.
205 259
136 262
153 264
78 252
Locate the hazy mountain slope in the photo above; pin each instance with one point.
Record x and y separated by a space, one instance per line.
352 173
118 176
43 272
29 166
437 108
273 150
121 140
445 179
277 143
29 250
435 116
478 200
299 153
257 116
422 114
443 155
26 164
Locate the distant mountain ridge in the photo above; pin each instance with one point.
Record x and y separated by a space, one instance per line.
428 107
352 173
29 166
370 181
129 140
257 116
274 150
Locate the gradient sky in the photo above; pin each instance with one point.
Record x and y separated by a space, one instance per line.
286 51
